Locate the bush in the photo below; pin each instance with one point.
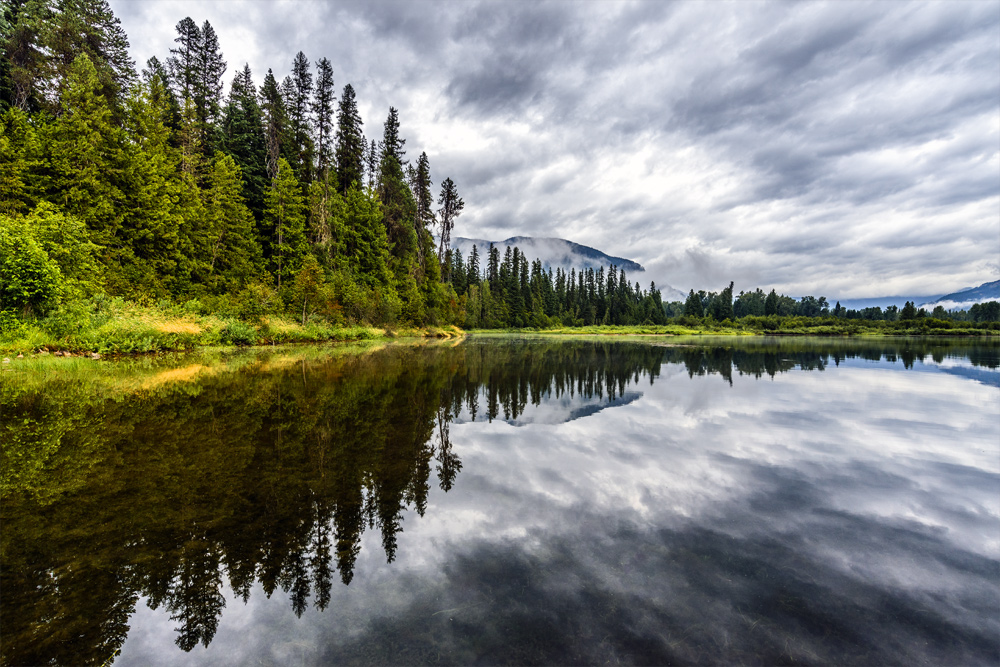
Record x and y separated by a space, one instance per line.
238 333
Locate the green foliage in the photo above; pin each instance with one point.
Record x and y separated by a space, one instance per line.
238 333
284 217
30 280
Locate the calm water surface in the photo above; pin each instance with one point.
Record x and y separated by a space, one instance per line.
507 500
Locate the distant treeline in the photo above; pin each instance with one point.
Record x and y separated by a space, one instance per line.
722 306
518 292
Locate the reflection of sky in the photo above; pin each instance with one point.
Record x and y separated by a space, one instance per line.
851 515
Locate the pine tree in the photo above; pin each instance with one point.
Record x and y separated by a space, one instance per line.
693 305
350 150
284 214
771 303
84 152
157 81
208 85
472 268
235 255
298 105
322 109
23 59
372 165
19 156
76 27
451 208
244 138
184 62
275 123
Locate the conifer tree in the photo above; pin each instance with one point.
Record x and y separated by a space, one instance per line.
275 123
299 95
244 138
234 255
350 150
19 156
22 54
771 303
451 208
208 85
322 108
284 213
156 78
85 155
184 62
75 27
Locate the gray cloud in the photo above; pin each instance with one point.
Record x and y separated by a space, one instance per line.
666 132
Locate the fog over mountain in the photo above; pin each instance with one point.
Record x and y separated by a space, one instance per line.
964 299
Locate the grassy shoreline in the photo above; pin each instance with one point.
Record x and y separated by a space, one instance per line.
129 328
790 327
125 328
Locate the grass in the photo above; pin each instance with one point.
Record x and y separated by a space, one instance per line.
776 326
116 326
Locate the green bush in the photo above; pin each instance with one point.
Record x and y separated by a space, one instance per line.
238 333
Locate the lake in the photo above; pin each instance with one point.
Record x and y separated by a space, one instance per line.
506 499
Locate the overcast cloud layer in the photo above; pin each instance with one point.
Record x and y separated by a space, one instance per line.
846 149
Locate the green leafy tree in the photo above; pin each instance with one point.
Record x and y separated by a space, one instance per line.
29 279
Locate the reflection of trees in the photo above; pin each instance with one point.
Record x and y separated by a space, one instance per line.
273 475
267 477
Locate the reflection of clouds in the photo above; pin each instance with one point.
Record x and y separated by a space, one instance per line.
845 516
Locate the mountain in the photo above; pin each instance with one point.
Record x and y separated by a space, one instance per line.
555 253
967 297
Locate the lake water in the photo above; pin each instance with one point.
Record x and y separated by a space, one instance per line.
507 500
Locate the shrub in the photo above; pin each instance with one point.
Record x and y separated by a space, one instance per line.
238 333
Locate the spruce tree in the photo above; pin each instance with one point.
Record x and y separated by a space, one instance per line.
184 62
76 27
275 123
23 59
322 108
208 85
350 149
244 138
85 155
284 214
451 208
299 95
234 255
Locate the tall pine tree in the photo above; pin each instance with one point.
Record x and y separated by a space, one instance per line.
350 151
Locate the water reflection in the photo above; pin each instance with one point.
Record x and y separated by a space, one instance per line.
187 487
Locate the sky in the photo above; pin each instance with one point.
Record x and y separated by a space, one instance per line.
847 149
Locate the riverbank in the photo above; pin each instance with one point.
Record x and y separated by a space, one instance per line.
777 326
128 328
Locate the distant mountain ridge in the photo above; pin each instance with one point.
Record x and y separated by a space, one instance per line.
985 292
963 299
553 252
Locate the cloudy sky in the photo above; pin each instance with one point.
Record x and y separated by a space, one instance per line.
846 149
